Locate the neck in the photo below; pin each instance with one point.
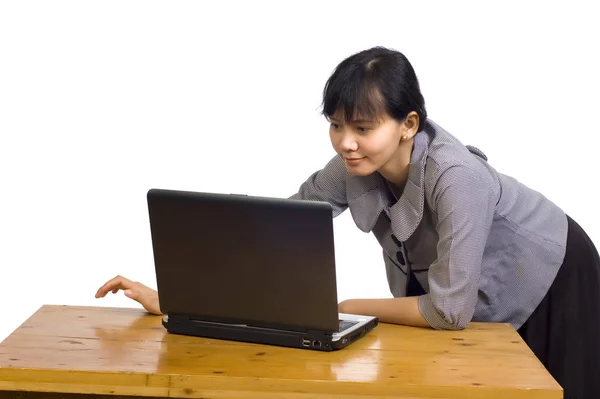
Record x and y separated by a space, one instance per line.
396 170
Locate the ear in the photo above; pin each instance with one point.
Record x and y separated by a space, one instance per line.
410 125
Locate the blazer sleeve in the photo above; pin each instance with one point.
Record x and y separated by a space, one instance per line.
464 201
327 184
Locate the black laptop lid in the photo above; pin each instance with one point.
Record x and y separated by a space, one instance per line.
241 259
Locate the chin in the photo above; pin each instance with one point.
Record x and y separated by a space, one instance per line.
359 171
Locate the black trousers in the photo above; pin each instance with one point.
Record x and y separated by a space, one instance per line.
564 330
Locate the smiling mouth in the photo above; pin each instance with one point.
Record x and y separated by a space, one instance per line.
352 162
353 159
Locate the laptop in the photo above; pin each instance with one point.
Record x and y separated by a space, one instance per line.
249 268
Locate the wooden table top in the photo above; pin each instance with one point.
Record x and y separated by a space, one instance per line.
122 351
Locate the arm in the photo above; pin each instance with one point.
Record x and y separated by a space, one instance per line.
403 311
464 202
327 184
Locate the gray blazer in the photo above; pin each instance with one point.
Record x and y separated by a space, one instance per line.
482 245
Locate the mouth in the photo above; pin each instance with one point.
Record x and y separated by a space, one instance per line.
353 160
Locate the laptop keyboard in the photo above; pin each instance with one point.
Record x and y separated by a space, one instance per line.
345 324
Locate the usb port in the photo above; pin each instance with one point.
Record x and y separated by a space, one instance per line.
306 342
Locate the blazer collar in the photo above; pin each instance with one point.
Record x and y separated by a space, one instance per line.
368 196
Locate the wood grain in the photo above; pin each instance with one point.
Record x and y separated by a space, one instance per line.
114 351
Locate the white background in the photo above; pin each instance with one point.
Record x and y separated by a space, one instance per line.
102 100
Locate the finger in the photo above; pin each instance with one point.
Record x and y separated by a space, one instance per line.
115 287
111 284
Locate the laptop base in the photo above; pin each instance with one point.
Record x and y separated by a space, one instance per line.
304 340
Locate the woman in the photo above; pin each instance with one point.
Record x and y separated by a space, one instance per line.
460 240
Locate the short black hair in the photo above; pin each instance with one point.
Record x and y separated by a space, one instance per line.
371 82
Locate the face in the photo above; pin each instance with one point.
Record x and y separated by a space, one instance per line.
368 145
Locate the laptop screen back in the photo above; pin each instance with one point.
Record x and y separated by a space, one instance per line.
247 260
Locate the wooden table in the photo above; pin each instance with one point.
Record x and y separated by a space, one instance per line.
66 352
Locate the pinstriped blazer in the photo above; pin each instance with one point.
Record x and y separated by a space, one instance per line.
483 246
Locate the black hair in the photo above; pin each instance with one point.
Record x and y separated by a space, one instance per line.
371 82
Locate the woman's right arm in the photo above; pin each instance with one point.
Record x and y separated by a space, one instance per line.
327 184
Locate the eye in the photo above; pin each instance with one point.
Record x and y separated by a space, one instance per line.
362 129
335 125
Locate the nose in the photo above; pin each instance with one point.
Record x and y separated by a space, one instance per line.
348 142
